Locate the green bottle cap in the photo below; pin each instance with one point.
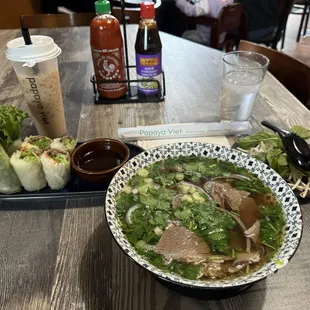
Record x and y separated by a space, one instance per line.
102 7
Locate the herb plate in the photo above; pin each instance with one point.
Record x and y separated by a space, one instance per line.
76 188
280 188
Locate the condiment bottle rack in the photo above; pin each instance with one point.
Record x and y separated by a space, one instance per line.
132 95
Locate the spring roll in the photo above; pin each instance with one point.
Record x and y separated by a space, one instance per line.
9 182
28 168
65 143
40 143
56 167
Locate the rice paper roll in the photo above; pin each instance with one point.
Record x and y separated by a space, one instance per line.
57 168
39 143
65 143
9 182
29 170
15 146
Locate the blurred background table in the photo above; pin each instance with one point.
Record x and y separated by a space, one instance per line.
61 255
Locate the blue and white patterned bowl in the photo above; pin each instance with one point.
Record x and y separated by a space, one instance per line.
285 195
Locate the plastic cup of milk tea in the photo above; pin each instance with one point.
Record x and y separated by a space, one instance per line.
36 68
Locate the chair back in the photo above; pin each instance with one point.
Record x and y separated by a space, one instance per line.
56 20
283 10
230 17
292 73
132 15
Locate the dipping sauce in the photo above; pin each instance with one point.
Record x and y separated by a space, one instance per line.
99 160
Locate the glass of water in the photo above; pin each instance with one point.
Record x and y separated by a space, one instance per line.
243 73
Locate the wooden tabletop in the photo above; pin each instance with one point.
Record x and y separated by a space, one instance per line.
61 255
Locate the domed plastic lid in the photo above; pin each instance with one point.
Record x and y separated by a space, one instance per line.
42 48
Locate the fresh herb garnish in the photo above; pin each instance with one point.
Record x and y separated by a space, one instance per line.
206 221
267 147
61 158
272 224
29 155
10 125
252 186
43 143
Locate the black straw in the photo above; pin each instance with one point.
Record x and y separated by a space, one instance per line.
126 46
26 36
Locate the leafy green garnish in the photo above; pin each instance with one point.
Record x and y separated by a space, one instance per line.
194 168
68 142
188 271
252 186
272 225
255 139
10 125
29 155
267 147
158 199
208 222
43 143
124 202
61 159
301 132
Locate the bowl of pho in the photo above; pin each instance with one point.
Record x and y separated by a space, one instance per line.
203 216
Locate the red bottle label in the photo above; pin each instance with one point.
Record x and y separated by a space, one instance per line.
108 67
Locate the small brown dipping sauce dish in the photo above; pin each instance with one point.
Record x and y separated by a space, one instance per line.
97 160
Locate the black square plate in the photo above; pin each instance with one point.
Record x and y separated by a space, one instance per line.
76 188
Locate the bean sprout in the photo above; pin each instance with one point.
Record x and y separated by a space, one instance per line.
295 178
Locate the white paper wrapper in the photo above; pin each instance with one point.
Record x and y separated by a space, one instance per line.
56 174
9 182
175 131
30 173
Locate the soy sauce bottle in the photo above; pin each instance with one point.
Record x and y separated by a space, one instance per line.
148 51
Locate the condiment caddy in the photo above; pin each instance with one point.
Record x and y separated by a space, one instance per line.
138 89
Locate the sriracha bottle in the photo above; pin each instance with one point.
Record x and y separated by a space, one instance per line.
107 51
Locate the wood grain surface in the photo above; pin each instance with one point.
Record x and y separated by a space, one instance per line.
61 255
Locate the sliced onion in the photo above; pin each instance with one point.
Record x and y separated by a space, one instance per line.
129 213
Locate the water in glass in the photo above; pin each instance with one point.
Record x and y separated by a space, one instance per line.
239 90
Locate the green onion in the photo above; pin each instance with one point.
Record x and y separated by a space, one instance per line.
233 253
248 269
215 257
268 245
273 228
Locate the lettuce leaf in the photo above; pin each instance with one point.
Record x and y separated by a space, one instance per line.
267 147
10 125
261 136
301 131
